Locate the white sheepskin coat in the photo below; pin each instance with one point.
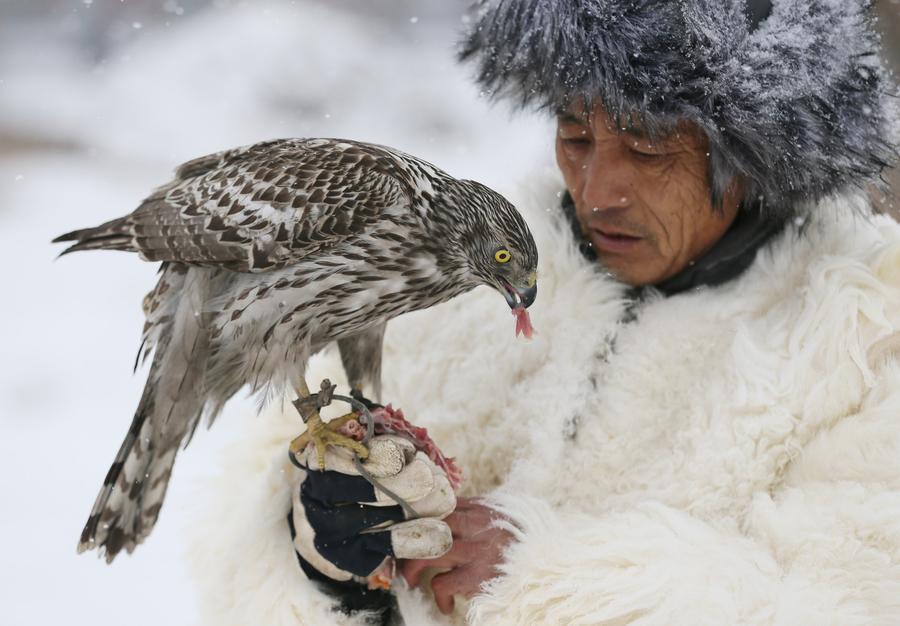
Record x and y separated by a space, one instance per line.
732 456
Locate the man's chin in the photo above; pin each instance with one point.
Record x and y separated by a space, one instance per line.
630 271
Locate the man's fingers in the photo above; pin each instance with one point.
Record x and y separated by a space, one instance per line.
467 522
460 553
459 523
412 569
463 523
458 581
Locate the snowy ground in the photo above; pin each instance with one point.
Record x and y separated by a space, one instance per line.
83 137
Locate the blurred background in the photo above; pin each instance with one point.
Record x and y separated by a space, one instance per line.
99 101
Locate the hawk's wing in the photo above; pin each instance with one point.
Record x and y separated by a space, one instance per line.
259 207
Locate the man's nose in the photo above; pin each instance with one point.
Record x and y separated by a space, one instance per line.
606 184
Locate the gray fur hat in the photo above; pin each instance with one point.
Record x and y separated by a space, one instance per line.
793 96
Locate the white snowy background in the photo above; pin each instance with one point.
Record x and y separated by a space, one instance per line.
99 101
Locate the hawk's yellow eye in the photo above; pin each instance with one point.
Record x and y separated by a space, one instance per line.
502 255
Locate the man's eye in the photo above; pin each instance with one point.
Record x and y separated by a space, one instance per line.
648 156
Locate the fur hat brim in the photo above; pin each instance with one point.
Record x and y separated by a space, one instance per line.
799 107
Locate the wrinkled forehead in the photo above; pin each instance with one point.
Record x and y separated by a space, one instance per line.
635 124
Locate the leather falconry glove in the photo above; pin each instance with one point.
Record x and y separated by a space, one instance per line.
347 529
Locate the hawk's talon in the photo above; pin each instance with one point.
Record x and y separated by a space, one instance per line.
322 435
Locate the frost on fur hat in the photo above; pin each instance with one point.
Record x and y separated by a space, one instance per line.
799 106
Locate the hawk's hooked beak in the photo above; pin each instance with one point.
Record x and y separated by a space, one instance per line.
523 296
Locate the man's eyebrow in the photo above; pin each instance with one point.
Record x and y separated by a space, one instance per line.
661 136
637 132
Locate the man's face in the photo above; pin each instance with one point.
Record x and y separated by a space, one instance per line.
643 204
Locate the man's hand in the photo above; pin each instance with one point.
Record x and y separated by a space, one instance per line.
477 551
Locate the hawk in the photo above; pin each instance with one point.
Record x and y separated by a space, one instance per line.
270 252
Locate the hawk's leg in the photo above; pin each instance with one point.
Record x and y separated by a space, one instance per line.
322 434
357 394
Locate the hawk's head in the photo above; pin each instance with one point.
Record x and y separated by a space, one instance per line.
498 247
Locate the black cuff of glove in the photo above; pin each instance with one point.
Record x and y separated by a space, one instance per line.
333 506
353 596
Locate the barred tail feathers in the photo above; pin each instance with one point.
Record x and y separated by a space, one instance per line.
130 500
134 488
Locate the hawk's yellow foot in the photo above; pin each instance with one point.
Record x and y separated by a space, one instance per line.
323 434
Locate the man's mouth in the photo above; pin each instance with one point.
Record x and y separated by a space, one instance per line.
609 240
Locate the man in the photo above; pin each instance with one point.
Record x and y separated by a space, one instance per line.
708 429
